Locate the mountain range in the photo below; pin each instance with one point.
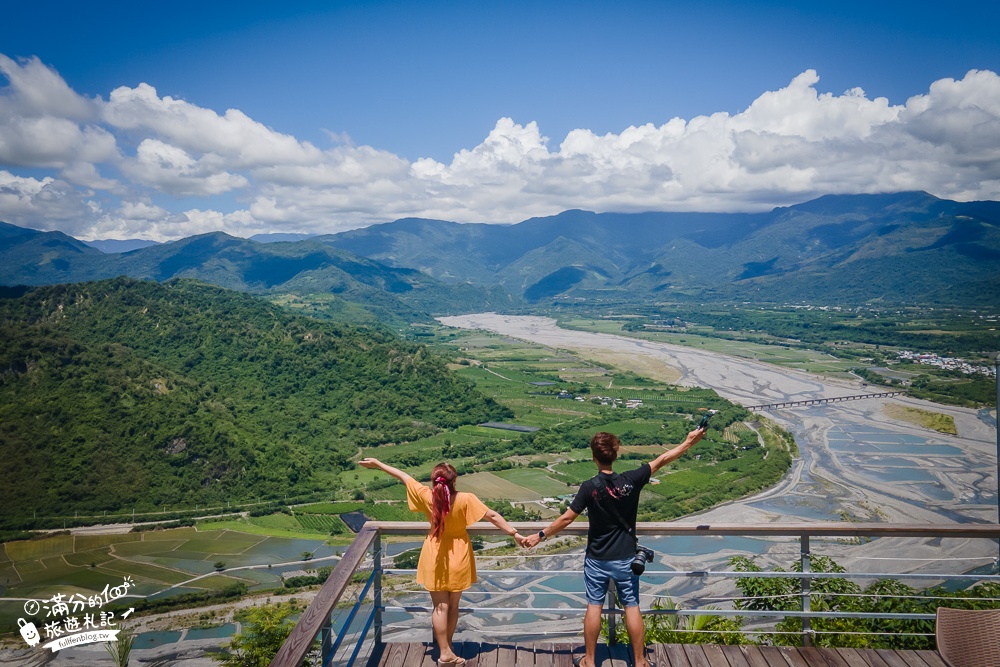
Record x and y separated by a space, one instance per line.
901 248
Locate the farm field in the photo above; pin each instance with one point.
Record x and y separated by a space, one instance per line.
565 398
154 560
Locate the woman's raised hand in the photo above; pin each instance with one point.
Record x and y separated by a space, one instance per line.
369 463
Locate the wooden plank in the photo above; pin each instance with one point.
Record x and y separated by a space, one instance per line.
422 655
821 657
871 657
735 656
715 656
487 655
792 656
928 658
531 654
892 658
562 654
392 655
469 651
754 656
852 658
507 655
671 655
772 656
696 655
543 655
619 655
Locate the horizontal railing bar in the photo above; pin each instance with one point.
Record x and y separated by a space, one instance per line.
762 613
829 528
729 574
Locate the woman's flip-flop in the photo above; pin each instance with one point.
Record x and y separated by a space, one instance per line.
454 662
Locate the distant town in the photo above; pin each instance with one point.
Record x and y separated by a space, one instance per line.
947 363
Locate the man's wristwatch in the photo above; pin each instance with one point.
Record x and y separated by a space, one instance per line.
541 535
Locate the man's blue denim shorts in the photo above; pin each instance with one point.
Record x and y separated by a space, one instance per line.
597 574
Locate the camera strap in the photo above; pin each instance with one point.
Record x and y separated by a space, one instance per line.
609 508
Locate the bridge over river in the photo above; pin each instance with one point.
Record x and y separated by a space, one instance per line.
820 401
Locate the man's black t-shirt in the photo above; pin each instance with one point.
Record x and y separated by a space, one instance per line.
606 539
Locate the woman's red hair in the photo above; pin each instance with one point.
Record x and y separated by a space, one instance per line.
443 492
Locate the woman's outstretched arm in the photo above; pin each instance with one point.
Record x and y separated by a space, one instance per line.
497 520
375 464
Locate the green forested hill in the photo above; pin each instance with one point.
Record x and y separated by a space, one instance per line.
121 394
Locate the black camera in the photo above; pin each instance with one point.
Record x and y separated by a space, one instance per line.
642 556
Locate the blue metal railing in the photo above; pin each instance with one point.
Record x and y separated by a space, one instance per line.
345 634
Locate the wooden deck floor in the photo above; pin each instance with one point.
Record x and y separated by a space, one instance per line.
663 655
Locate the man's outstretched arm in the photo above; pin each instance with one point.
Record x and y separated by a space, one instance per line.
675 453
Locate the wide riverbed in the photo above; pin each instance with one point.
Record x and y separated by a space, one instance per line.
855 460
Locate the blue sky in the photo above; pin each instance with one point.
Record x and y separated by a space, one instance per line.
117 120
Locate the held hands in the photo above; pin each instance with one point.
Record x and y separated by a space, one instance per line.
525 542
531 541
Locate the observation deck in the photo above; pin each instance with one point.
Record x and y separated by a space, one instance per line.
527 608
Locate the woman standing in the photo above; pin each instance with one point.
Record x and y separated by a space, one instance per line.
447 565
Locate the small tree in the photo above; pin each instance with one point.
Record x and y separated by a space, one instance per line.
265 631
121 649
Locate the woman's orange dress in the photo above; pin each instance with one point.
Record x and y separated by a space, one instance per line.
447 564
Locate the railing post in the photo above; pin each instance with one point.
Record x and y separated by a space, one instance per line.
326 641
806 579
612 605
377 591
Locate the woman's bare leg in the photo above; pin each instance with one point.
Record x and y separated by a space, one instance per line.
441 622
454 600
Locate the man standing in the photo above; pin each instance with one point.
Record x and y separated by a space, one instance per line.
610 548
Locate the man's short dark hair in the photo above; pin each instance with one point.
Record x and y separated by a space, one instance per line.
605 447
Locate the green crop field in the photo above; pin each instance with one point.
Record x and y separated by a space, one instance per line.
319 523
86 564
536 479
84 542
328 508
39 548
148 571
89 556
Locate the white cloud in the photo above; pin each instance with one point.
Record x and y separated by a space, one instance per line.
241 140
171 169
47 204
43 123
789 145
36 90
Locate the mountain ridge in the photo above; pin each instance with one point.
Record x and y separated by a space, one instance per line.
906 247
